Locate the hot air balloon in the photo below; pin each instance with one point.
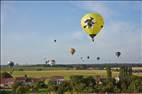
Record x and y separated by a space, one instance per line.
55 41
118 54
72 51
52 62
92 23
11 63
88 57
98 58
46 62
82 59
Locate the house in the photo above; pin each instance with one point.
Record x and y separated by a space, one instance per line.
20 79
57 79
99 80
117 79
6 82
27 80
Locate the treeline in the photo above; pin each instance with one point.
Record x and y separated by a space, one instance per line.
104 65
87 65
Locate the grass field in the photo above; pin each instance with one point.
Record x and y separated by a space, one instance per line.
33 72
65 73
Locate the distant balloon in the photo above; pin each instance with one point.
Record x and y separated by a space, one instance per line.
52 62
82 59
11 63
118 54
55 41
72 51
92 23
47 61
98 58
88 57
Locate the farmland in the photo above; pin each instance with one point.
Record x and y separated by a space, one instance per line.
38 72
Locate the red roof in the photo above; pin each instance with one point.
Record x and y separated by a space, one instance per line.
6 80
20 78
57 77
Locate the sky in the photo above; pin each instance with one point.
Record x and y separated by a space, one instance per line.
28 29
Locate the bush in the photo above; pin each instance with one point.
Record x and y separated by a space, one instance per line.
4 92
20 88
39 69
20 69
6 75
135 86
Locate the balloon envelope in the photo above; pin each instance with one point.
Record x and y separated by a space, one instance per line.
11 63
98 58
72 51
88 57
54 40
92 23
52 62
117 54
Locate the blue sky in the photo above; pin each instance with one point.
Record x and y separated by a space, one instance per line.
28 29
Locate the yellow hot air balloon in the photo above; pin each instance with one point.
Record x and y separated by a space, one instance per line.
92 23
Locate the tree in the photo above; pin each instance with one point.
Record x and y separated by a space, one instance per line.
130 71
20 88
14 87
124 86
99 88
135 86
64 86
125 72
109 73
90 84
6 75
109 87
116 89
77 83
4 92
52 86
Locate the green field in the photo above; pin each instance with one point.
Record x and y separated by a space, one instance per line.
65 73
32 72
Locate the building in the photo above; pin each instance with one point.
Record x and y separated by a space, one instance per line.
6 82
57 79
117 79
27 80
99 80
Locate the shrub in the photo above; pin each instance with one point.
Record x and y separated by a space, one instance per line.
39 69
6 75
20 69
